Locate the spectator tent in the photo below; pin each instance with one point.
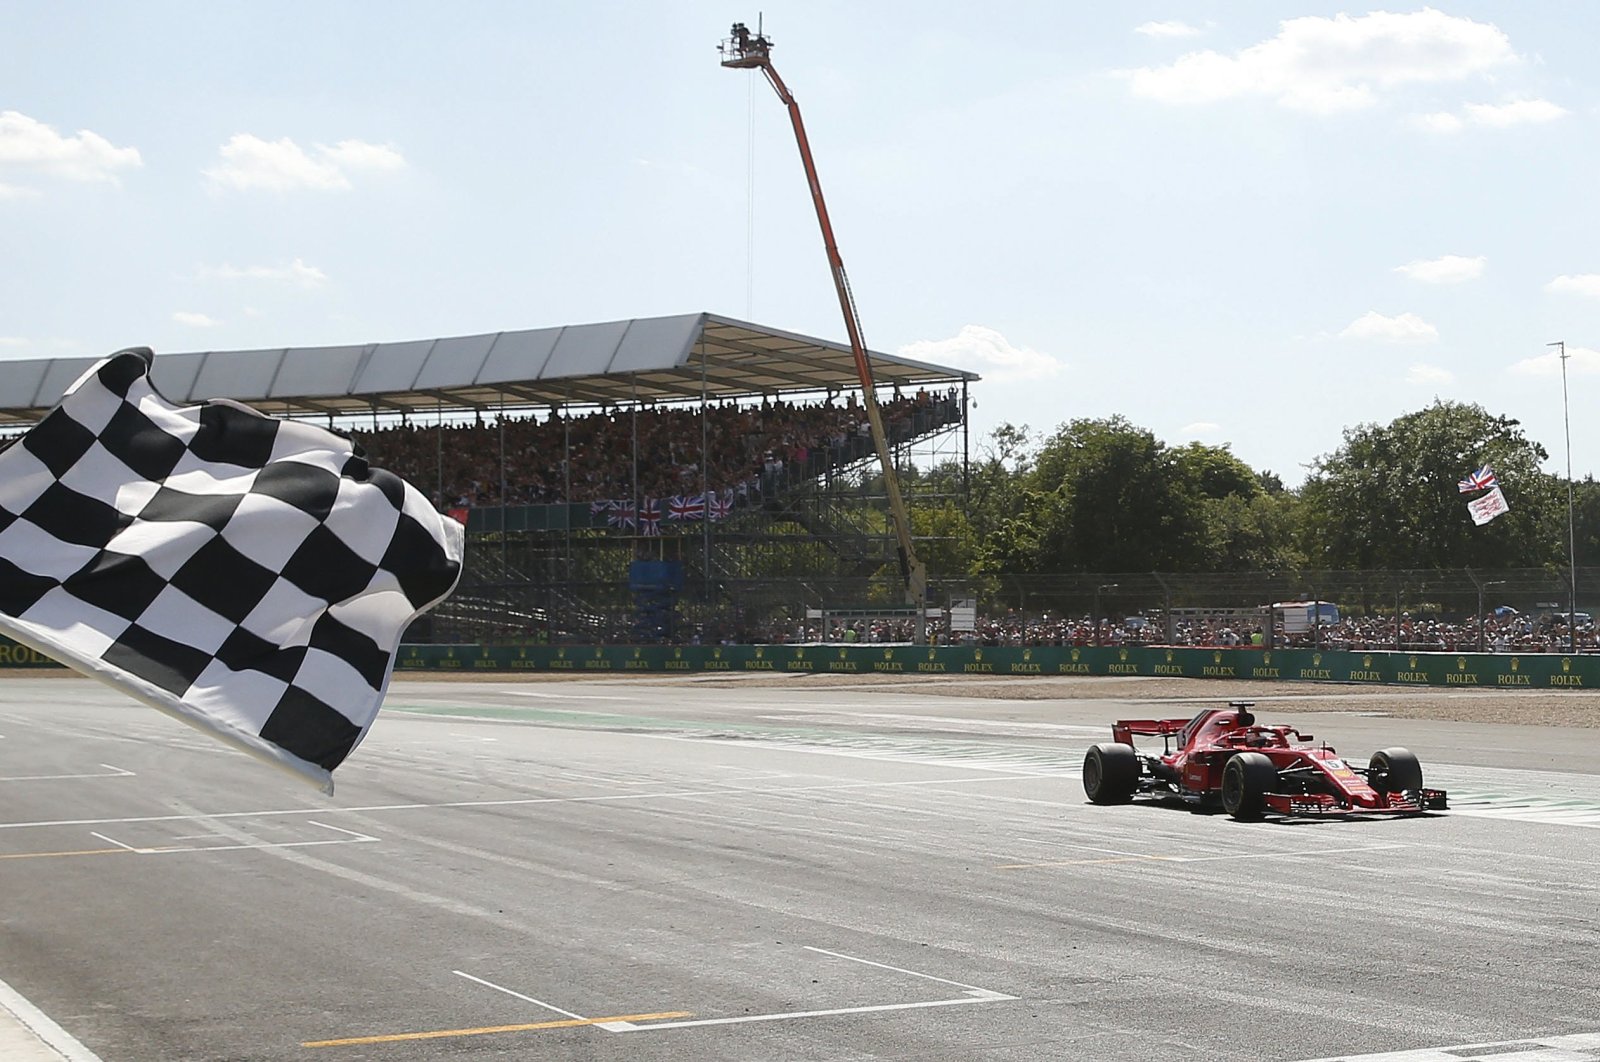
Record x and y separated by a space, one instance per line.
648 359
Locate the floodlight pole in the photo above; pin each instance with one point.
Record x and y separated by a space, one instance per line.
1572 540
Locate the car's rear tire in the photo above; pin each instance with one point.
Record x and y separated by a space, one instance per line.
1394 770
1110 773
1247 778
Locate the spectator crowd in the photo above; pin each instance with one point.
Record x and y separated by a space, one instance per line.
594 456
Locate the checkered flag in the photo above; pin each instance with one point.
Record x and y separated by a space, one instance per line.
248 575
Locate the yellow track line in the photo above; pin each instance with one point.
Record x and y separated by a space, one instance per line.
439 1034
46 855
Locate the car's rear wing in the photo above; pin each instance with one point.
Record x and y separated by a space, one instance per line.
1123 729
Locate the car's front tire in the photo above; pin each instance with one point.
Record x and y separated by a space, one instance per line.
1110 773
1247 778
1394 770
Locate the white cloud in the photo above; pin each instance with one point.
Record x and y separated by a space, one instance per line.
1517 112
296 272
986 351
28 144
1579 360
1576 284
1438 122
249 162
1421 373
13 341
1402 328
1333 64
1200 427
194 320
1492 115
15 191
1167 29
1446 269
360 155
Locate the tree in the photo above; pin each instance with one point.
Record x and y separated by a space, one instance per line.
1115 499
1387 498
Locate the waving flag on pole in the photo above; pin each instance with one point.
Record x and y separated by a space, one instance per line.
248 575
1482 479
1488 507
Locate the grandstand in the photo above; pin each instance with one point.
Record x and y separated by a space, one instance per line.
668 478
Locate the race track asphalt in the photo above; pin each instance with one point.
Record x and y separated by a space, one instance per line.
686 869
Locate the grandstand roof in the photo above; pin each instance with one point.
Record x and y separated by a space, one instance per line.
647 358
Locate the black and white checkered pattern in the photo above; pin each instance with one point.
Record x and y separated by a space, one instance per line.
251 576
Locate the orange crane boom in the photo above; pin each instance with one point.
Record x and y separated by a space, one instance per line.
744 50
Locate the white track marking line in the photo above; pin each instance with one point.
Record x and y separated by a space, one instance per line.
354 838
42 1027
973 995
629 1027
913 973
116 772
1281 855
519 995
1574 1047
113 840
341 829
520 801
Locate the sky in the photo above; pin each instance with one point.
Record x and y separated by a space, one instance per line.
1251 224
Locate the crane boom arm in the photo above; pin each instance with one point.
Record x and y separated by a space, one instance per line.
746 50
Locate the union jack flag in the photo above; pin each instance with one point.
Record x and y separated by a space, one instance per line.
621 514
598 507
686 507
650 517
1482 479
721 505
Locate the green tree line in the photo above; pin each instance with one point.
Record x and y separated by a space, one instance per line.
1105 495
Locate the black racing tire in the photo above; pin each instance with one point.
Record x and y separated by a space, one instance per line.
1110 773
1394 770
1247 778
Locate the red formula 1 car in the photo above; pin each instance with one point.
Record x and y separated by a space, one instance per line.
1222 758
